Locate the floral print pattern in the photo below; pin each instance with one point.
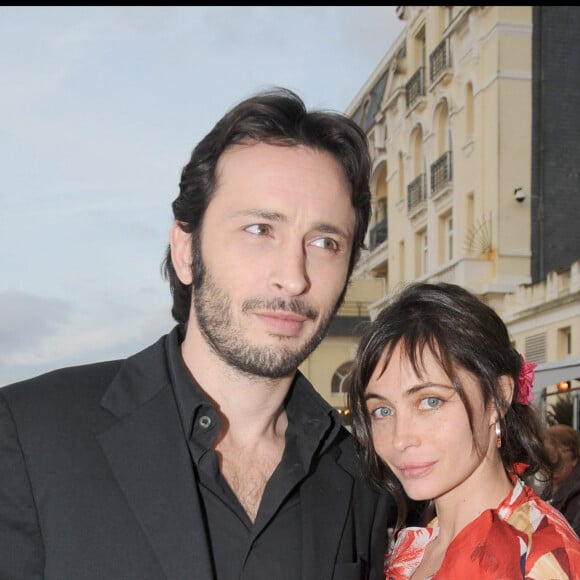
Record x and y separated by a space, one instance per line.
524 538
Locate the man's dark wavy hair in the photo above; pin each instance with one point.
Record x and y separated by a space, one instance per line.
277 116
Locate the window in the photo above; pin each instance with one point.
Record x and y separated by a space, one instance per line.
401 172
469 114
421 253
337 384
564 342
402 276
424 254
445 246
381 209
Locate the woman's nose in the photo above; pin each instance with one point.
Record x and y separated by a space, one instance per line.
405 434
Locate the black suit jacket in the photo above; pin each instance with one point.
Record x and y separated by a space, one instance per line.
96 483
567 499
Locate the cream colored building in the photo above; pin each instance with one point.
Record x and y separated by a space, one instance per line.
326 367
448 113
544 322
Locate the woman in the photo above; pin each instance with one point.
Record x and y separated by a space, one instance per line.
440 402
563 445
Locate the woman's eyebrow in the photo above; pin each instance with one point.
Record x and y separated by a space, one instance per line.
410 391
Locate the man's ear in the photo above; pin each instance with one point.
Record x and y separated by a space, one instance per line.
180 242
506 392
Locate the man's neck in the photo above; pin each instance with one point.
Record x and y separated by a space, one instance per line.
251 406
253 420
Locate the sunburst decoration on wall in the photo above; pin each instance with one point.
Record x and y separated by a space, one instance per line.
478 238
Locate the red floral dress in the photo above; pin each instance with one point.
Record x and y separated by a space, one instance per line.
524 538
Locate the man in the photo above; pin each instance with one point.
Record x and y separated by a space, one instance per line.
208 455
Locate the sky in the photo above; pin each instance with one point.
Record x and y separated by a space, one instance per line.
101 108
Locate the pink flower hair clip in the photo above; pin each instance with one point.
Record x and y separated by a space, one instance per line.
525 392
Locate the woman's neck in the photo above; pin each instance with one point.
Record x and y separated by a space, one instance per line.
460 506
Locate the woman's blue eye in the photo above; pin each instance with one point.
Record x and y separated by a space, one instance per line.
430 402
381 412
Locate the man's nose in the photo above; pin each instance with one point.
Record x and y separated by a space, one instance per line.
289 271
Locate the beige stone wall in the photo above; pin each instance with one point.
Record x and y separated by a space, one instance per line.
470 230
334 351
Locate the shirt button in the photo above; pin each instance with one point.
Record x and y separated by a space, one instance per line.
205 422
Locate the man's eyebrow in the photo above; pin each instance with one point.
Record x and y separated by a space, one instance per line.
323 227
327 228
261 214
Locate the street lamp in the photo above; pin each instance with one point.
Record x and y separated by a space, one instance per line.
563 386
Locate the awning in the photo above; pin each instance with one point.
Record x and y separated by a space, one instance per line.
551 373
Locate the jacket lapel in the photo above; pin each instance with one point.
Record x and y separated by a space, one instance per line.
323 514
148 455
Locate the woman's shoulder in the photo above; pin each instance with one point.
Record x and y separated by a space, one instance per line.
553 546
408 550
530 514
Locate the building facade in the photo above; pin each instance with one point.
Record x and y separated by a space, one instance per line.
454 138
555 198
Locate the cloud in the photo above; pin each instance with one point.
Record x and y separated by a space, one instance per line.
42 334
27 320
102 106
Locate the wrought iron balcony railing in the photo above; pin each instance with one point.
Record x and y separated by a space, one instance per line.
441 172
415 86
416 192
439 60
378 234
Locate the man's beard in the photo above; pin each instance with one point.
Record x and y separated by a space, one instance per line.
213 310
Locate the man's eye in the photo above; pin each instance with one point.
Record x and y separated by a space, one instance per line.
326 244
258 229
381 412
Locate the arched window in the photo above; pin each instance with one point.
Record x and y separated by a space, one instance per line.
338 378
469 113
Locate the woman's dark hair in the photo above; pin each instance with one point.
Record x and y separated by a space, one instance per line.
279 117
461 332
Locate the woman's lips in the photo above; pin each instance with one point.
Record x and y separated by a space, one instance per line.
415 470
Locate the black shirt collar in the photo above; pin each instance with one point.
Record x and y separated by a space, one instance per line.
311 420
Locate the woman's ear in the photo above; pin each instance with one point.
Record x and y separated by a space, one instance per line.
180 242
506 392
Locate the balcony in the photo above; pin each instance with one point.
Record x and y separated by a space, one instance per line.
416 192
473 273
440 62
415 88
378 234
441 173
